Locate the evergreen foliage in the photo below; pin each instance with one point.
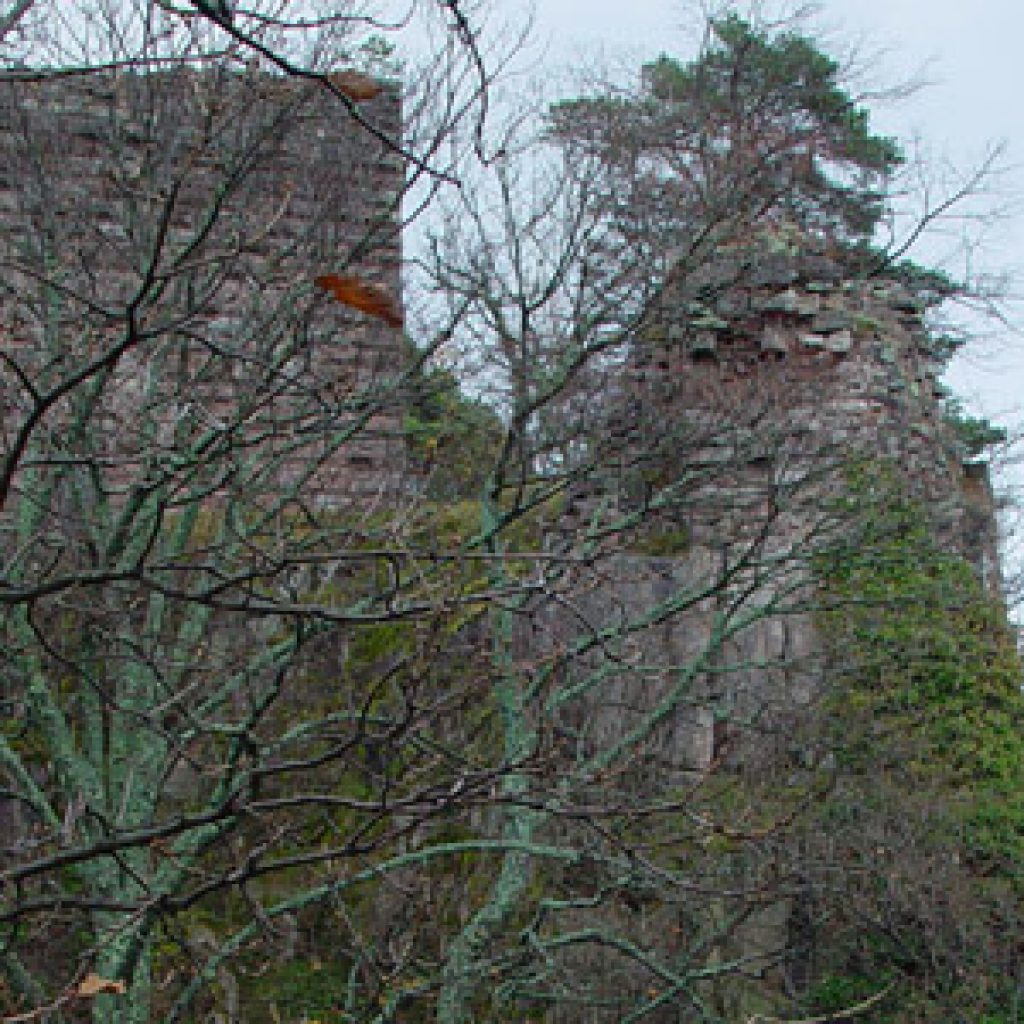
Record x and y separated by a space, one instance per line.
452 438
976 434
759 117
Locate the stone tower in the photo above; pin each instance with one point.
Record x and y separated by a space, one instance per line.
181 217
751 393
791 353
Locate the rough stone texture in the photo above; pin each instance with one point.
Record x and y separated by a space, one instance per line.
813 367
197 207
740 440
738 418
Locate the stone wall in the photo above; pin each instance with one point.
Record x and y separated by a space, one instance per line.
783 362
194 209
755 392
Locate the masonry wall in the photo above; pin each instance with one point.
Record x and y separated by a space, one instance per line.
188 213
754 391
750 396
788 363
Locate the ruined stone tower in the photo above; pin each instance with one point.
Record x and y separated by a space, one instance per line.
750 395
190 211
784 351
749 400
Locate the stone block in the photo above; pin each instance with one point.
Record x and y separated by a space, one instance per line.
812 340
784 302
774 269
774 339
839 342
830 320
807 304
703 343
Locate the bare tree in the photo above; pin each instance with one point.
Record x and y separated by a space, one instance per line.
280 718
202 472
696 343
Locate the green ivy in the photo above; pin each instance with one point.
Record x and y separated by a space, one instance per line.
926 715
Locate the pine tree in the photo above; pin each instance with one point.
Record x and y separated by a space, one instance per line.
759 129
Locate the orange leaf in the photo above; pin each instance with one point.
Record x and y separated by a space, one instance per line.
94 985
369 298
355 85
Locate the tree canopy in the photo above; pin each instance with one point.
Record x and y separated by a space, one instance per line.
760 117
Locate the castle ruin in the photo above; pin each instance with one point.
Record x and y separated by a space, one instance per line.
171 225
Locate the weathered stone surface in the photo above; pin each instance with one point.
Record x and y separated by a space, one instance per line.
765 432
807 304
709 322
774 339
832 320
773 269
309 193
733 305
702 343
784 302
812 340
840 341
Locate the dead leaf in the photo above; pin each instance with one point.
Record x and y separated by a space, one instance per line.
355 85
369 298
93 985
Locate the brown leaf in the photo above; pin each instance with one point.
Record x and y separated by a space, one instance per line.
369 298
355 85
93 985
